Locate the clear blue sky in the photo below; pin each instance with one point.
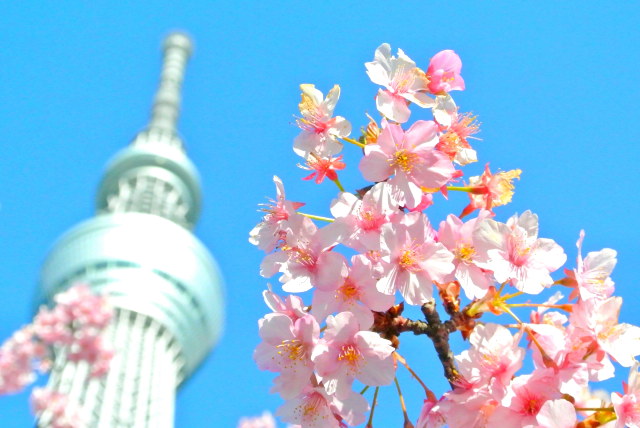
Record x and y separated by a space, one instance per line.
555 85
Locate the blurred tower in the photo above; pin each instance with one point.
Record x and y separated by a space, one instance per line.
139 249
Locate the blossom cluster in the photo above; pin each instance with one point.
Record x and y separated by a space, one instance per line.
74 324
349 329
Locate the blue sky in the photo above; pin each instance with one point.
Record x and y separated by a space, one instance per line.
554 85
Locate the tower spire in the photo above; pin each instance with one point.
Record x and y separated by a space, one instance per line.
139 250
154 175
165 112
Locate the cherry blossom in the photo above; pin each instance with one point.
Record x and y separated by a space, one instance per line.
346 352
404 83
352 328
323 167
412 160
271 229
591 277
526 394
490 190
515 254
627 405
305 259
356 294
457 237
454 141
412 260
494 356
363 218
286 348
444 72
18 360
63 412
314 408
320 130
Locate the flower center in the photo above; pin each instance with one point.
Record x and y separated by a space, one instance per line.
404 160
531 406
348 291
301 255
293 349
408 260
465 253
350 355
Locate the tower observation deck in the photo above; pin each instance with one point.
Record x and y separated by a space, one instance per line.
140 251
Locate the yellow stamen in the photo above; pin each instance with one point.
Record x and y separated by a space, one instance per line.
404 160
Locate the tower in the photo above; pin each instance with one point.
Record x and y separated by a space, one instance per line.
140 251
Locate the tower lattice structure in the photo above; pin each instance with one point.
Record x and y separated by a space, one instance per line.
139 250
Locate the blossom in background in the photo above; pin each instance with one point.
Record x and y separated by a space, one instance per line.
404 83
410 157
320 130
19 358
63 412
444 73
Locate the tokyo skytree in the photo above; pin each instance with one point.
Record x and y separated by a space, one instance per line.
140 251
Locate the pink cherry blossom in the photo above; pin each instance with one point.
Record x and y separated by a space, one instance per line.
525 397
305 259
627 406
444 73
556 414
314 408
286 348
457 237
77 321
412 260
494 356
320 130
466 407
323 167
357 294
591 277
412 160
490 190
271 229
363 218
454 140
515 254
346 352
63 412
18 360
429 417
404 83
598 321
292 306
